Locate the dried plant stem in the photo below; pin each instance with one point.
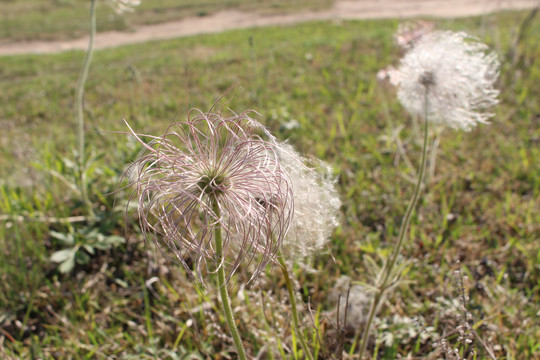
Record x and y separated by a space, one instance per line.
484 345
292 299
79 95
226 306
44 219
387 271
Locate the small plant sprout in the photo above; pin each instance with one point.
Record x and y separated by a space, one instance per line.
80 245
212 190
446 78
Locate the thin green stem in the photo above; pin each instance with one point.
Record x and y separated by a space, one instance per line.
387 271
292 299
79 95
226 306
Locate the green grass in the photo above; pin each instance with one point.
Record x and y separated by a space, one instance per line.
481 207
65 19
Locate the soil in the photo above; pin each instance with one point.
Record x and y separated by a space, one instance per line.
232 19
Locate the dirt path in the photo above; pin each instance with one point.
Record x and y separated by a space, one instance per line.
231 19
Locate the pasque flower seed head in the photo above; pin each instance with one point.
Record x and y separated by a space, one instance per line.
451 75
316 204
213 172
122 6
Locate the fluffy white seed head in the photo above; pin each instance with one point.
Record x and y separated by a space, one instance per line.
122 6
316 204
456 72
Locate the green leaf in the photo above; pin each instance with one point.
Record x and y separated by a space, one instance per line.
92 234
89 249
102 245
64 238
82 258
68 163
67 265
122 283
115 239
108 241
62 255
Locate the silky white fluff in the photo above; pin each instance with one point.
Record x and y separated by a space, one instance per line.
316 205
122 6
457 75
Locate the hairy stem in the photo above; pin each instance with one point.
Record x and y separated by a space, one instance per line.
387 271
226 305
79 95
292 299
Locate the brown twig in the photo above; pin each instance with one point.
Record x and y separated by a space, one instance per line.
8 335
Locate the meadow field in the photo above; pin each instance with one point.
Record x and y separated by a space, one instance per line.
475 234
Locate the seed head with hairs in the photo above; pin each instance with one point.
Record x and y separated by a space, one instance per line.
123 6
454 74
316 205
213 172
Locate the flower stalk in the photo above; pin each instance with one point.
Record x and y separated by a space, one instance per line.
225 303
389 265
79 96
213 189
461 75
292 299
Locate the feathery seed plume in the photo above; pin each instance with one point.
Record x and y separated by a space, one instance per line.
316 204
457 74
209 172
122 6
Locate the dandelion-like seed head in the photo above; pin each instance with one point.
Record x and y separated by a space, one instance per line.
457 75
122 6
427 79
410 32
213 173
316 205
